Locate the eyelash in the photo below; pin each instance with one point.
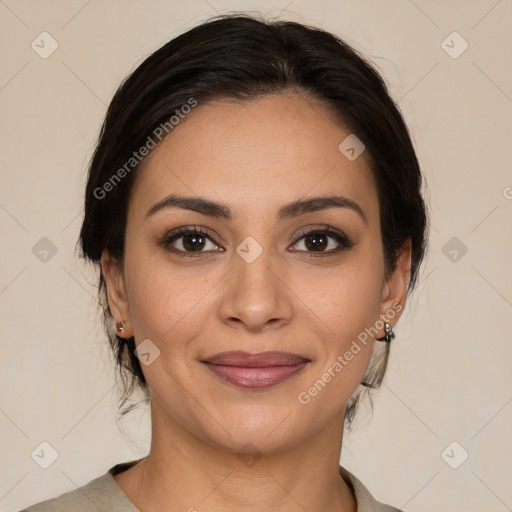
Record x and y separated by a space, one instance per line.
338 236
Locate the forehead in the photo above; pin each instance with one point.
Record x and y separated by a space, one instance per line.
255 156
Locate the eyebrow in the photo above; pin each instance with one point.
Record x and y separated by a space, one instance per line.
288 211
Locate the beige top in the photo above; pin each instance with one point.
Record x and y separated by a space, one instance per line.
103 494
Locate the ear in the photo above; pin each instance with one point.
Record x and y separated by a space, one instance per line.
116 293
394 291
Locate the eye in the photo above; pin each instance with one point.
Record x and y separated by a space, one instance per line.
188 241
322 241
319 241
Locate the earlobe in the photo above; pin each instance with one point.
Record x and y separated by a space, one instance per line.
116 294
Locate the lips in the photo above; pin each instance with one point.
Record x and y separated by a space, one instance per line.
260 370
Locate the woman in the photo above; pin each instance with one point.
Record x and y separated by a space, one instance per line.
254 207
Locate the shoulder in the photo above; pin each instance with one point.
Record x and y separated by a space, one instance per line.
95 495
84 498
102 493
365 501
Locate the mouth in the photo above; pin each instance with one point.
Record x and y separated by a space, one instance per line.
260 370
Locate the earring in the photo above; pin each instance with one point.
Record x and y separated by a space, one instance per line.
119 326
388 334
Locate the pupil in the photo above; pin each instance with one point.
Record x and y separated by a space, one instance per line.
193 242
318 241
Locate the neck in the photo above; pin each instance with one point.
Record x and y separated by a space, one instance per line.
183 472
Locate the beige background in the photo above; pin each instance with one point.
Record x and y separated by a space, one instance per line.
450 375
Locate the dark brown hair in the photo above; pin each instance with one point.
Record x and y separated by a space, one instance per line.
241 57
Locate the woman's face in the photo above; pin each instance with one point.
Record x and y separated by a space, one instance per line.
253 283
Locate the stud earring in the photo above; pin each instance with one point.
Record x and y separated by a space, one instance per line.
119 326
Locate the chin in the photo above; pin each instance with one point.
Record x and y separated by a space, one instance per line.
257 429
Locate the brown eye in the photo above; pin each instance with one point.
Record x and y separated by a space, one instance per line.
316 241
322 241
189 241
193 242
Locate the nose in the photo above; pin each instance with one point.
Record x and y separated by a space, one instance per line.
256 296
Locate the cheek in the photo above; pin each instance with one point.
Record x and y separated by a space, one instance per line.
170 305
166 308
348 303
161 302
348 308
347 298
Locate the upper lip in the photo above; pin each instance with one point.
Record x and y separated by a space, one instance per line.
255 360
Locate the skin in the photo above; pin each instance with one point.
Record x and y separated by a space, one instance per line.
254 157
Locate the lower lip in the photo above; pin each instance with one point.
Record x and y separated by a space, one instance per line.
248 377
